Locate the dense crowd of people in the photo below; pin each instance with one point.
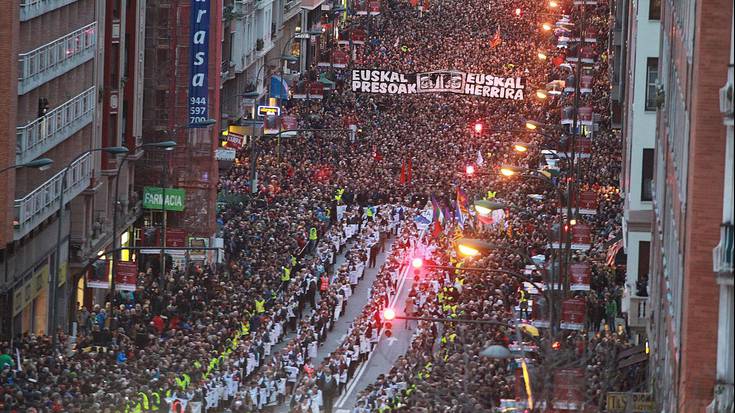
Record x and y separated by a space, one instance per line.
244 335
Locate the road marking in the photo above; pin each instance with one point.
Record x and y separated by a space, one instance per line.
361 370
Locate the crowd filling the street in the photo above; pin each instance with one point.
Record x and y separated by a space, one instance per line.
243 335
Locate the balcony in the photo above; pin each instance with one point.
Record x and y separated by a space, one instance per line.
56 58
722 253
638 314
58 125
34 8
43 202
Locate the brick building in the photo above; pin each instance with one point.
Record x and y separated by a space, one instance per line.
688 202
71 91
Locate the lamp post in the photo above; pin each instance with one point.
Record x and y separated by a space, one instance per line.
41 164
166 145
113 150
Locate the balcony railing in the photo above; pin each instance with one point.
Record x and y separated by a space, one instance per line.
40 204
59 124
722 253
56 58
638 314
34 8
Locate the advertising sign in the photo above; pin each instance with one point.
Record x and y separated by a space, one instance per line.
127 276
580 274
153 198
440 81
569 391
199 63
572 314
630 402
198 242
175 238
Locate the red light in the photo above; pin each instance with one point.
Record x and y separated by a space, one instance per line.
470 169
478 127
518 12
389 314
417 263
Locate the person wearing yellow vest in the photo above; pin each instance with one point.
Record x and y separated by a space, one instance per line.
313 237
286 275
522 303
260 306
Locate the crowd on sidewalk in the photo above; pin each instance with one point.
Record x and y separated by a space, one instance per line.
206 337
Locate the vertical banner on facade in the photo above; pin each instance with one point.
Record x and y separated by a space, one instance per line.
573 311
99 275
199 63
126 276
580 274
569 391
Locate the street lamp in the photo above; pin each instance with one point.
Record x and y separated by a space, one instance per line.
112 150
485 207
166 145
41 164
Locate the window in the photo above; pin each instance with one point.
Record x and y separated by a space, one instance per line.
654 10
644 252
647 175
651 78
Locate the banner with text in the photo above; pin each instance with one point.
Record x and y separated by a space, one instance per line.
153 198
199 63
440 81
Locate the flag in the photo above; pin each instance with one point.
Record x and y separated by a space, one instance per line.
409 170
458 216
402 179
462 201
279 88
437 209
496 40
480 160
436 229
612 252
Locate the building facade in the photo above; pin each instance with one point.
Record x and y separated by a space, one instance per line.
687 202
723 260
640 48
53 99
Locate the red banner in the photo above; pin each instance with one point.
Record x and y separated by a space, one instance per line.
585 84
126 277
316 90
340 58
358 36
175 237
374 7
573 312
587 202
569 389
289 122
585 115
580 274
234 140
98 275
581 237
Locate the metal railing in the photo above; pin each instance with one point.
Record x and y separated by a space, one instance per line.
722 254
59 124
34 8
56 58
40 204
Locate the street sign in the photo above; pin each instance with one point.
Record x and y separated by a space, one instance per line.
302 36
630 402
269 110
153 198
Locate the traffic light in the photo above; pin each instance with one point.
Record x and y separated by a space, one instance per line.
388 316
470 170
